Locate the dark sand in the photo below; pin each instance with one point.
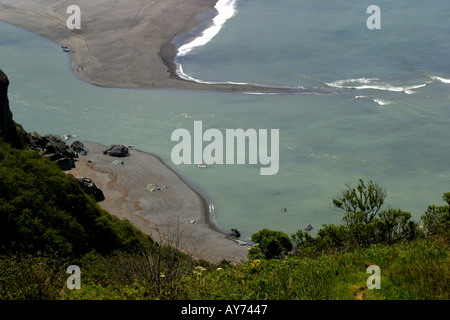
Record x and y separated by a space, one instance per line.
121 44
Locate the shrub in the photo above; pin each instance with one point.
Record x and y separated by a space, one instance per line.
270 244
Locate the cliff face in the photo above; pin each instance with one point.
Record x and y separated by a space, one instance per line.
7 126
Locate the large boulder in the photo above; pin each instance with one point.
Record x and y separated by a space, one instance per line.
58 151
79 148
88 185
117 151
36 141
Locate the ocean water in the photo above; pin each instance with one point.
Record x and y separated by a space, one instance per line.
377 105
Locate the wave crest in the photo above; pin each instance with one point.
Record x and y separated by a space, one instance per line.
372 83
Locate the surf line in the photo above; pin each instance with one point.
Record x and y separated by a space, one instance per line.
225 10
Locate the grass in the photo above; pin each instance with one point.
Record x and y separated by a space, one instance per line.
416 270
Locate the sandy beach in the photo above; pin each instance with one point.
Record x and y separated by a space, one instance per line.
128 44
121 44
176 213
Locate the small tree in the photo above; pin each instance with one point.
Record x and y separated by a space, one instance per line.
362 203
270 244
437 218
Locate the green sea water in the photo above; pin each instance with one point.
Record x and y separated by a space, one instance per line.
378 106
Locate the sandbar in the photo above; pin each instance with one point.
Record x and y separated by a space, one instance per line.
121 44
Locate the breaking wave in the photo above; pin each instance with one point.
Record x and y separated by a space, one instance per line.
374 84
443 80
225 10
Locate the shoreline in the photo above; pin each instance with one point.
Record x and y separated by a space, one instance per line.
141 52
177 214
126 65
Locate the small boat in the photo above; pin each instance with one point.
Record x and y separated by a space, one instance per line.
309 227
202 165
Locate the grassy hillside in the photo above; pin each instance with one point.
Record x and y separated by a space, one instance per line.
42 209
48 223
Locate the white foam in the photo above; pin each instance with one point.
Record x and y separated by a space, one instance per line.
443 80
226 9
372 83
382 102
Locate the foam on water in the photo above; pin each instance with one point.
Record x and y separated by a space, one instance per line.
374 84
443 80
225 10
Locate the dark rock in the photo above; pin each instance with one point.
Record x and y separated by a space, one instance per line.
54 156
55 147
235 233
36 141
117 151
91 188
8 129
78 147
65 164
53 138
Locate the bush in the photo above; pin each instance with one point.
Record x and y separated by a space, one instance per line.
365 225
437 218
270 244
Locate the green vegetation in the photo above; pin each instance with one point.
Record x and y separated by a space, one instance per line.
42 209
47 223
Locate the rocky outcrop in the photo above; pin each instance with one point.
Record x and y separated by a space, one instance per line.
57 150
91 188
8 129
54 148
117 151
79 148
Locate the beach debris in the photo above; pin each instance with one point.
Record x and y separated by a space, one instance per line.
69 136
309 227
193 221
235 233
242 243
65 48
153 187
116 150
202 165
117 163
